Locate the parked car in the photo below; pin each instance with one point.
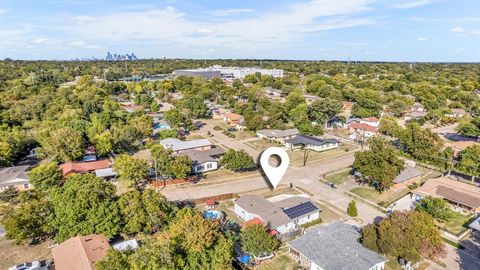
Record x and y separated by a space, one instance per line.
231 129
35 265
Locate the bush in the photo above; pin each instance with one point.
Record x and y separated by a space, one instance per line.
217 128
352 209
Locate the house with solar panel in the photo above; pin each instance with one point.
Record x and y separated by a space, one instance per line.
280 216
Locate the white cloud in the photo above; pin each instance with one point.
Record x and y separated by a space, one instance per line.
457 29
421 39
458 49
475 32
230 12
413 4
84 19
3 10
83 44
46 41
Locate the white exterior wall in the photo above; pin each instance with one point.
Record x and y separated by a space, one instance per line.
373 124
242 213
205 167
308 218
323 147
313 266
285 228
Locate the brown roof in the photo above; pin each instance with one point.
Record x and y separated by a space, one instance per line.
461 145
84 167
80 253
363 126
370 119
451 190
233 116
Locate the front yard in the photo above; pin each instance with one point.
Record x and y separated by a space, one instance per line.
381 198
339 177
261 144
297 156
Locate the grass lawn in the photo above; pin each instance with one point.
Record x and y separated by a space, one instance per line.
261 144
457 224
339 177
279 191
387 197
327 214
194 136
296 157
280 262
243 134
11 254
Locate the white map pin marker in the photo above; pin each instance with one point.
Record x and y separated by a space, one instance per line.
274 174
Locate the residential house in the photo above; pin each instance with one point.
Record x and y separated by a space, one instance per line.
459 146
407 176
218 112
462 196
126 245
80 252
414 115
277 135
206 160
16 177
179 146
310 98
85 167
334 246
282 216
234 120
312 143
363 127
457 113
272 93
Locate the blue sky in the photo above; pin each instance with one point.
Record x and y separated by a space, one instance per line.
388 30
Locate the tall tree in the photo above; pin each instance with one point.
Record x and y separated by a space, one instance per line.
324 109
64 144
45 176
469 161
438 208
131 171
256 240
237 160
379 165
85 204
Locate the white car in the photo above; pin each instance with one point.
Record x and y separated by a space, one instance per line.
35 265
264 256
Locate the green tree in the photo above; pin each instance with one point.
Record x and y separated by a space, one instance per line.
29 223
64 144
379 165
469 127
324 109
103 143
368 104
352 209
6 154
115 260
422 144
256 240
408 234
162 158
237 160
45 176
469 161
85 204
181 166
131 171
389 126
143 212
436 207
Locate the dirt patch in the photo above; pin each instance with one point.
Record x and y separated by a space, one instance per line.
11 254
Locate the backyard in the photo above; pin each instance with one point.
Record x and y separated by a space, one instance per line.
457 224
281 261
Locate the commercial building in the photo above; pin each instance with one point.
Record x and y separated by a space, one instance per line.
218 71
334 246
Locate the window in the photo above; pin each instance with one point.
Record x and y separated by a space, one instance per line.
26 186
200 167
209 165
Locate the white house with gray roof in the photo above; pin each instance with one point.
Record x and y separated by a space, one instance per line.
334 247
312 143
283 216
206 160
277 135
178 146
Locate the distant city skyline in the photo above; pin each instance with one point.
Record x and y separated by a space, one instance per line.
359 30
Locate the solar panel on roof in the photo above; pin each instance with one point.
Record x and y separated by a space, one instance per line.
300 210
